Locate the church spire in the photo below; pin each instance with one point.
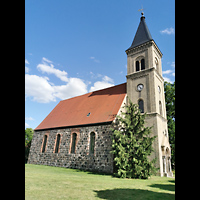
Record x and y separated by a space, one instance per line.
142 35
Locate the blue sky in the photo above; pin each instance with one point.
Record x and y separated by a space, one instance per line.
74 47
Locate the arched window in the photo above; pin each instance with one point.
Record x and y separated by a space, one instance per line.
44 143
160 107
141 105
156 62
142 64
166 133
57 143
92 142
73 146
137 66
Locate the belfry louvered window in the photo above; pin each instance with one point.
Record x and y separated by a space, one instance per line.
137 66
142 64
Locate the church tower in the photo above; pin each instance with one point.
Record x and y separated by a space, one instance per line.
145 87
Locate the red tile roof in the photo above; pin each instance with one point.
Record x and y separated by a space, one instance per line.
103 106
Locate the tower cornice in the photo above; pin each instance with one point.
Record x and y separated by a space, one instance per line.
143 46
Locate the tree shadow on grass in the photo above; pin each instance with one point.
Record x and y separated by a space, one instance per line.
132 194
172 181
164 187
168 187
93 172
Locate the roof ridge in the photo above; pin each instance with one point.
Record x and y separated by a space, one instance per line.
89 93
109 87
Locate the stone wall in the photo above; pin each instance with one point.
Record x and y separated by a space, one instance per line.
101 160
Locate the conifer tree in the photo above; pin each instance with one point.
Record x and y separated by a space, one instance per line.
132 145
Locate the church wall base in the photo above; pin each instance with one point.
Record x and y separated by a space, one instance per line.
100 161
166 174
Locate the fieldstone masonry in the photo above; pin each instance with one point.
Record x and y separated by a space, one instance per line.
101 161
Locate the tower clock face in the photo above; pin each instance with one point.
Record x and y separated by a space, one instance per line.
140 87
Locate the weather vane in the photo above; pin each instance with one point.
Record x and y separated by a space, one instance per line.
141 10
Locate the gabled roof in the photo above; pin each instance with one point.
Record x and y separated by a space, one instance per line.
142 35
103 106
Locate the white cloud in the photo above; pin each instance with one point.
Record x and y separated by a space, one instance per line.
95 76
167 79
29 118
49 69
167 71
173 64
27 69
107 79
46 60
26 61
26 125
168 31
94 59
39 89
42 91
73 88
106 82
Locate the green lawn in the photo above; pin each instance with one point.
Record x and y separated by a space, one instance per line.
44 182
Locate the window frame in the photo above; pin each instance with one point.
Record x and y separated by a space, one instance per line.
73 143
42 147
137 66
57 144
142 64
160 108
141 100
92 143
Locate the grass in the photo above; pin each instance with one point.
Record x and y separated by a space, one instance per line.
45 182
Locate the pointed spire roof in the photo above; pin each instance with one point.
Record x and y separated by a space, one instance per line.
142 35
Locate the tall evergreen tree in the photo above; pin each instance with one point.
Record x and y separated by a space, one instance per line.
132 145
170 107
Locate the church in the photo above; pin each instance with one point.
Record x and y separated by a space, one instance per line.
77 132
